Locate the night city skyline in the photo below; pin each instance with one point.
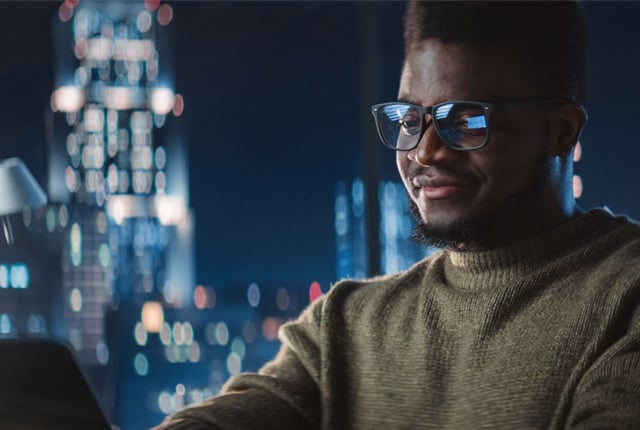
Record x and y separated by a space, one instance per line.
302 134
276 129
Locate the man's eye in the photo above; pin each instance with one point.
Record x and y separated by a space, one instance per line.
410 126
470 123
461 122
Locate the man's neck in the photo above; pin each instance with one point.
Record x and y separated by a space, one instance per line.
512 229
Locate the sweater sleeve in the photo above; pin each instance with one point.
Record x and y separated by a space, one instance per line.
284 394
608 395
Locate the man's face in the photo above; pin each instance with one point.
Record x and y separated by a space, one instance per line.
466 199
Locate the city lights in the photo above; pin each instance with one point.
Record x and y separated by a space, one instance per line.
5 324
152 316
4 276
76 244
125 218
178 105
165 334
169 210
238 347
15 276
253 295
75 300
314 291
141 364
102 353
68 99
282 299
270 326
140 334
36 324
222 333
165 14
577 186
162 100
234 363
19 276
123 98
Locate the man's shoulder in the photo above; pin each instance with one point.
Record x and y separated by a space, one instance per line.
612 258
620 238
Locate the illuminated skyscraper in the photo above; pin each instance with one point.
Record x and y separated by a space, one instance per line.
350 230
118 167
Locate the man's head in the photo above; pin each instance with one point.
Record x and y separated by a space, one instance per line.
520 181
550 38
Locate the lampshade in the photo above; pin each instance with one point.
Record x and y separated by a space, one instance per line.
18 187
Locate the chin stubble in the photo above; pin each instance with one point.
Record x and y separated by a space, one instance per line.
480 229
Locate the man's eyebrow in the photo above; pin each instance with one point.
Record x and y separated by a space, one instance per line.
407 100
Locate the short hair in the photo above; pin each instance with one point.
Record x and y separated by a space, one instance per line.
552 36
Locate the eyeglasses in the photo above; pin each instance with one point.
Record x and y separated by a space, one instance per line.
461 125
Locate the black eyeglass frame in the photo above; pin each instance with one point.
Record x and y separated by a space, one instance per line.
488 107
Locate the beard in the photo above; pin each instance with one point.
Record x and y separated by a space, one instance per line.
458 235
479 230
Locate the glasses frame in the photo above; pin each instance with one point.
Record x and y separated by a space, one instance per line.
487 107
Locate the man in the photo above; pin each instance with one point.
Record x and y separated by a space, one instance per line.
529 316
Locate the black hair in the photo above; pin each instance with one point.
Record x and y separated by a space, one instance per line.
551 36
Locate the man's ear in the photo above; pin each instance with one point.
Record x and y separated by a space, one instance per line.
567 123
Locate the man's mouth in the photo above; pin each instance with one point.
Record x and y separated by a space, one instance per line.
440 186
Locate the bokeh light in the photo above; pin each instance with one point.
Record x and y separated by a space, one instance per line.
5 324
152 316
67 99
253 295
165 334
102 353
75 300
249 331
151 5
577 186
140 334
282 299
165 14
234 363
178 105
141 364
4 276
314 291
238 346
222 333
162 100
143 21
270 326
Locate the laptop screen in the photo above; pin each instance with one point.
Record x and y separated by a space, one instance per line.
41 387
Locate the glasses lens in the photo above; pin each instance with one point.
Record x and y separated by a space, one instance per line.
463 125
399 125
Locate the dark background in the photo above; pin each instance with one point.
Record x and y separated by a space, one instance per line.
273 119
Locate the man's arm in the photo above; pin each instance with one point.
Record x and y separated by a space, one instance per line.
284 394
608 396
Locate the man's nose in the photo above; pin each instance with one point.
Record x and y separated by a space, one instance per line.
431 149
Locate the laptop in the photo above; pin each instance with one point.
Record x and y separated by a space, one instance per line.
41 387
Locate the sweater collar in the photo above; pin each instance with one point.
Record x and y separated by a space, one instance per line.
476 270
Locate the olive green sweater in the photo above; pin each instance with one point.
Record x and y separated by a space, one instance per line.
543 334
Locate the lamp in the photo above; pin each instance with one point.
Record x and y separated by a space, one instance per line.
18 189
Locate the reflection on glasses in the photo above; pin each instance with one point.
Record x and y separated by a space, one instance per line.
461 125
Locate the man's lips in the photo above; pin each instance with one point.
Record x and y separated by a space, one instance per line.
439 187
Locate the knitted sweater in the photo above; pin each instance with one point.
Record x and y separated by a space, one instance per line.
542 334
